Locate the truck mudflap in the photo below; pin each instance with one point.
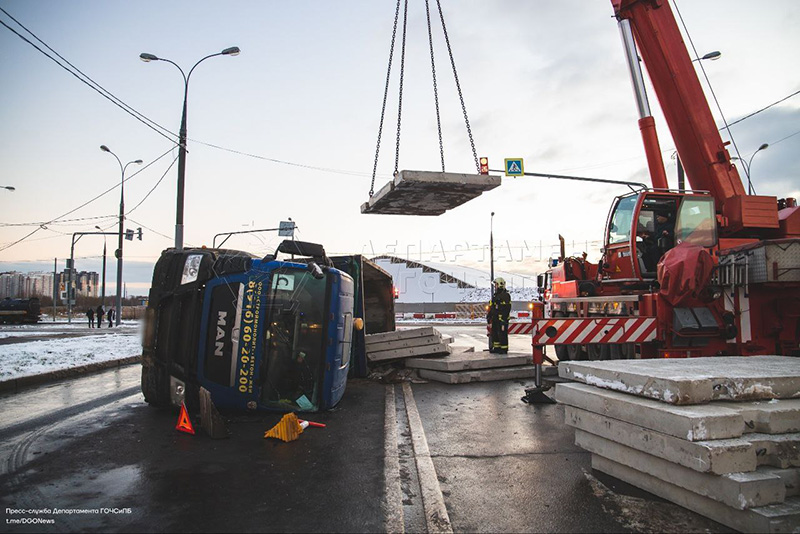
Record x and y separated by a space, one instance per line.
584 330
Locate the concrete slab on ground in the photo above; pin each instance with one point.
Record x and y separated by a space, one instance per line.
428 350
383 337
465 361
768 417
694 380
777 450
408 342
484 375
790 477
774 518
718 456
737 490
694 423
428 193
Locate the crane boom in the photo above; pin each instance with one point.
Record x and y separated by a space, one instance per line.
701 149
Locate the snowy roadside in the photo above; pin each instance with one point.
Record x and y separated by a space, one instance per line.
37 357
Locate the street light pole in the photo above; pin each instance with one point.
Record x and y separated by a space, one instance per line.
118 252
103 294
750 190
232 51
491 250
76 236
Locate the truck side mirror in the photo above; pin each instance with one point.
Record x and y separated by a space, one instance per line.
540 282
315 270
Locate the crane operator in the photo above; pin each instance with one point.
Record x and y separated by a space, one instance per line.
499 310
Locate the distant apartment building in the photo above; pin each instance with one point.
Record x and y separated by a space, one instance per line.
39 284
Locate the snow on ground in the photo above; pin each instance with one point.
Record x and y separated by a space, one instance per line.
36 357
527 294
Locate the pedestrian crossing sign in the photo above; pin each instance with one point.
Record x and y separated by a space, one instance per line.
514 167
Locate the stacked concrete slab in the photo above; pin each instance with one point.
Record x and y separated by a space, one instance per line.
720 436
464 366
411 343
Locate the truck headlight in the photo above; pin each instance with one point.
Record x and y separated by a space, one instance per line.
191 268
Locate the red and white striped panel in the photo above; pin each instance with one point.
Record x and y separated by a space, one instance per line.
520 328
580 331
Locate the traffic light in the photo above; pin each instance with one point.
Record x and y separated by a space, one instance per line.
396 292
484 165
139 233
129 235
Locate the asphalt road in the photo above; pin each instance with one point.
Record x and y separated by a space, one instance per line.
471 457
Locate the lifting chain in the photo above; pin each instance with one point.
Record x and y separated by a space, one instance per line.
435 87
385 95
435 90
400 96
458 86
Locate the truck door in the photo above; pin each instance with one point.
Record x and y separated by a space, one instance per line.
618 250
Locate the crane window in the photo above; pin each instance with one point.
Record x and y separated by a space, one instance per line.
620 229
696 222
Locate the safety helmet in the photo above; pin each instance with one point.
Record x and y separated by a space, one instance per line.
500 283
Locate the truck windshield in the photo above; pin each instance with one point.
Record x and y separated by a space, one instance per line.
294 340
620 229
696 222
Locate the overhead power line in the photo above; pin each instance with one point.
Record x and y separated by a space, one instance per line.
77 73
43 225
763 109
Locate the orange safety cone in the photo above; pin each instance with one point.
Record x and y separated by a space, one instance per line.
184 422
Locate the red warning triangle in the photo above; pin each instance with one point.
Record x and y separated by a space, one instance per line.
184 422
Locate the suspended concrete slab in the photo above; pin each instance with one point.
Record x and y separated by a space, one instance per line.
428 193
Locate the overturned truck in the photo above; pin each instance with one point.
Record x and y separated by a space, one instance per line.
261 333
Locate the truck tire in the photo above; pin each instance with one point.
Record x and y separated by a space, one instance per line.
577 352
622 351
155 386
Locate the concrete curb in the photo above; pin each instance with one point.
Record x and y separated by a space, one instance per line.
14 385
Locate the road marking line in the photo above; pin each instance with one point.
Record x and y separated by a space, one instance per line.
393 493
432 499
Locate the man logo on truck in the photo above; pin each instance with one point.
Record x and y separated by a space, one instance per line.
220 333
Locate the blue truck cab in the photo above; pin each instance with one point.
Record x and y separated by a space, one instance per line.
260 333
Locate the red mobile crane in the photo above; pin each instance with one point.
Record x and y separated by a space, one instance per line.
707 271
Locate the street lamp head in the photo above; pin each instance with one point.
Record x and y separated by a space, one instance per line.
98 228
762 147
713 56
138 162
144 56
104 148
232 51
10 187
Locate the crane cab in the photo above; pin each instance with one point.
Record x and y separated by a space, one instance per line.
643 226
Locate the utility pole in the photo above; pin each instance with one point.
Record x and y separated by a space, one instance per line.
55 287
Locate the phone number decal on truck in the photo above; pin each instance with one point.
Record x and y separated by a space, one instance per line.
250 318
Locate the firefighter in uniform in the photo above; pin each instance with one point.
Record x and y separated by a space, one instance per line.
499 310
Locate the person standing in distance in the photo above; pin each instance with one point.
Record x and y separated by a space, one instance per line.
99 312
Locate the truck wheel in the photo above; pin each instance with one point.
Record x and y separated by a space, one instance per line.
562 353
576 352
155 386
598 351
